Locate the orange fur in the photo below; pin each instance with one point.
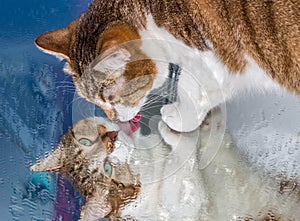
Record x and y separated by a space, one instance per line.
266 30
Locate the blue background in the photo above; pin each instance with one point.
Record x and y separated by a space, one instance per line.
36 109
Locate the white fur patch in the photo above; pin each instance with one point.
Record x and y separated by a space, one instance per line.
128 113
227 189
123 149
205 81
67 69
164 48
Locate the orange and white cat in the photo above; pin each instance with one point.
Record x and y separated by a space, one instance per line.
119 50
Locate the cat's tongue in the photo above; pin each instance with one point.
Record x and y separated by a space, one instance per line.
130 126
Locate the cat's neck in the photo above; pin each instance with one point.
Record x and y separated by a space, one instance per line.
163 47
235 33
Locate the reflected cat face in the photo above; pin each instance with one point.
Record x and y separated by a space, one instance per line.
88 157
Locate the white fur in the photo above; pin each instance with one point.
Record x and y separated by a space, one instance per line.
171 186
205 81
127 113
174 188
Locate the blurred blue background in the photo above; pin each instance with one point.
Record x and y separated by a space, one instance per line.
36 109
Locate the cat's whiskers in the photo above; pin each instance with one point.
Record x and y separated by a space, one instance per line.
154 98
148 109
162 88
150 102
86 111
148 118
74 100
151 106
148 115
65 87
61 84
144 124
64 82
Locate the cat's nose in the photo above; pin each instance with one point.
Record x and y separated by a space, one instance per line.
108 138
112 135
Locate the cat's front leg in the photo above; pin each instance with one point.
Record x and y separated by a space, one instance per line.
183 117
194 101
178 139
188 113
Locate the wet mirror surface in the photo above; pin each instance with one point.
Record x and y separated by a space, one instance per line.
241 164
36 99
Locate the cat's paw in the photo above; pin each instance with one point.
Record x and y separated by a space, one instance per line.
181 118
170 136
175 138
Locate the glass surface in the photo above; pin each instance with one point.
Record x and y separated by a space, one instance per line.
38 105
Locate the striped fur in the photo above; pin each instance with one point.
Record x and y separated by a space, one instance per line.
83 168
267 30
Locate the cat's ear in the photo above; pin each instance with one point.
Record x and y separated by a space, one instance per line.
57 42
112 60
51 163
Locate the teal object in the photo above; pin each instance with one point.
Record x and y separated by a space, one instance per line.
43 181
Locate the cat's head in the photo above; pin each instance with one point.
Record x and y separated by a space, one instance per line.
106 62
93 155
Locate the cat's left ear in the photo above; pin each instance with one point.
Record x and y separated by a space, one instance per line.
51 163
57 42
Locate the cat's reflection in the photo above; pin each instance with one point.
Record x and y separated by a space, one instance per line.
126 177
83 157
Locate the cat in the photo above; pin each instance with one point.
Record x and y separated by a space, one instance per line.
119 50
146 178
82 158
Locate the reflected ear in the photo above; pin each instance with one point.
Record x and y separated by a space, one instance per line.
57 42
51 163
111 61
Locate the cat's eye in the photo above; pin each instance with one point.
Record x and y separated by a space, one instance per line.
108 168
85 142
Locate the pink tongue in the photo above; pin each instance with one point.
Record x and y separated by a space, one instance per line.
137 118
130 126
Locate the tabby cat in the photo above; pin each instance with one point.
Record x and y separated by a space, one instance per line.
82 158
118 51
143 178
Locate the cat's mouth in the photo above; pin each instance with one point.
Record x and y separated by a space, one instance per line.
130 126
